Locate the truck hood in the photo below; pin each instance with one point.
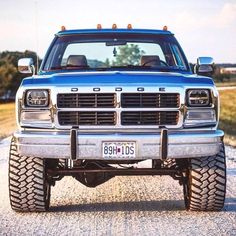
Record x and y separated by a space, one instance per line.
117 78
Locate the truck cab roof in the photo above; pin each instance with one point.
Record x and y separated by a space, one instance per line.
119 31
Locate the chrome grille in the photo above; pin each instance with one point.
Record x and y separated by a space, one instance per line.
149 117
118 109
150 100
86 100
72 118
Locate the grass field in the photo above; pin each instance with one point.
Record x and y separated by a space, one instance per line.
7 119
227 117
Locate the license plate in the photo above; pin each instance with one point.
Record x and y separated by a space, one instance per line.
118 150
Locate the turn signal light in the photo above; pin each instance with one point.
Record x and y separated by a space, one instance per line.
63 28
114 26
165 28
129 26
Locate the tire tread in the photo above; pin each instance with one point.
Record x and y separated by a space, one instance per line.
27 182
207 183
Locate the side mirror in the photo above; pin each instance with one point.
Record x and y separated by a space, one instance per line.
26 66
204 66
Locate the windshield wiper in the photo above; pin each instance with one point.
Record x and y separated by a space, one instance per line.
69 68
55 68
137 67
159 68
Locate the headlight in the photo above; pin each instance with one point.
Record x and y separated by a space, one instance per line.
198 97
37 98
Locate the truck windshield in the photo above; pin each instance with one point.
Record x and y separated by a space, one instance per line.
110 52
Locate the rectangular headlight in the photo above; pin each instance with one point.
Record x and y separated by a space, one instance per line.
37 98
198 97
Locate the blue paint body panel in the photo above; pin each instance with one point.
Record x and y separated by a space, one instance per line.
117 78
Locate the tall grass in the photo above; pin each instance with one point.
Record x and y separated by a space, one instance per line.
228 115
7 119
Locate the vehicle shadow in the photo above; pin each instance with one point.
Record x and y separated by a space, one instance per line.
231 171
163 205
230 204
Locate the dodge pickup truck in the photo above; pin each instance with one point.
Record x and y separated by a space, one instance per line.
104 102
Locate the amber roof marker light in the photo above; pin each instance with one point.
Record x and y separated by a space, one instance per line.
99 26
63 28
165 28
114 26
129 26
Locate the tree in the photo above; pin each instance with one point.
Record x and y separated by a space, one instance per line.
128 55
7 74
107 62
95 63
10 78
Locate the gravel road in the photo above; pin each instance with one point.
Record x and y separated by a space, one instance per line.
121 206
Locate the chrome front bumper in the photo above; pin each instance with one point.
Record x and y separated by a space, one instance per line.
181 144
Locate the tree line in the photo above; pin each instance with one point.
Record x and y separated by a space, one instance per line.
10 78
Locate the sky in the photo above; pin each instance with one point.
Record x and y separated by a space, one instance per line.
202 27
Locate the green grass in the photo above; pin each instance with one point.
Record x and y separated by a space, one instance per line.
228 115
7 119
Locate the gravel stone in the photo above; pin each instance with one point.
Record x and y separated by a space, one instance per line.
122 206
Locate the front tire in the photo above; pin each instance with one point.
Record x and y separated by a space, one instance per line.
205 185
29 189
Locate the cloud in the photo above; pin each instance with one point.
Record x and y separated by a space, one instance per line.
227 16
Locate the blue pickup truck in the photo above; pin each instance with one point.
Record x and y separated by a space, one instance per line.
106 100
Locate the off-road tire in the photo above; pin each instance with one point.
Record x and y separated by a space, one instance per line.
205 186
28 187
